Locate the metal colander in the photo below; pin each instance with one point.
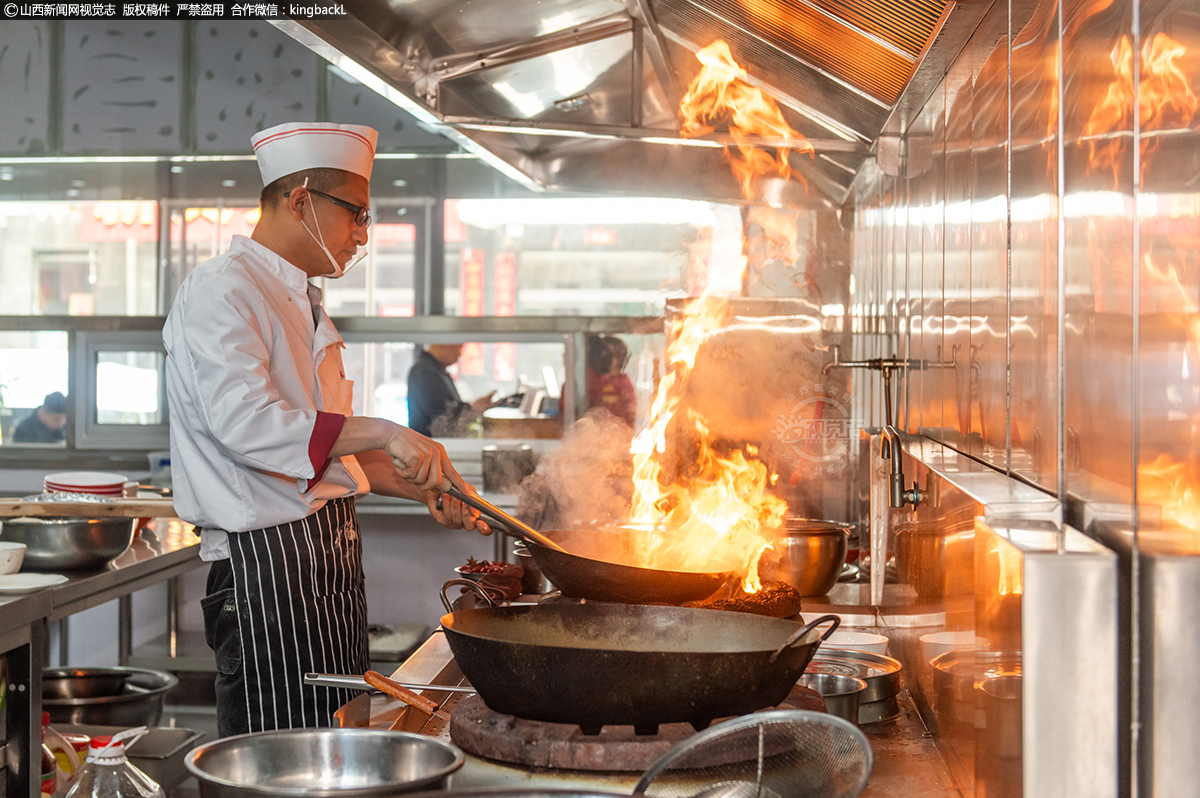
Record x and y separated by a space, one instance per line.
777 754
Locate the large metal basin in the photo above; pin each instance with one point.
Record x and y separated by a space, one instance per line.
105 696
808 554
322 763
66 544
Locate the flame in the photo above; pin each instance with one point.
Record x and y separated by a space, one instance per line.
1165 100
718 514
721 92
1009 558
721 513
1174 488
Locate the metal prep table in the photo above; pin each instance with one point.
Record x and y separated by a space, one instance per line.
168 551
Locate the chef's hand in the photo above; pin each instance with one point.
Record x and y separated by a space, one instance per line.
453 514
422 462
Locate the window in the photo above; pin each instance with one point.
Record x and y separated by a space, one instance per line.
78 259
591 257
32 366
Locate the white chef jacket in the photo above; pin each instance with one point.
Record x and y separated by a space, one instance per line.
257 395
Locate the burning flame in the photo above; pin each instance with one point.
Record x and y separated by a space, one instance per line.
1164 99
718 515
1171 486
721 93
721 513
1009 558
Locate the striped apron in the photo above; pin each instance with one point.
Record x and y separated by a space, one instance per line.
289 601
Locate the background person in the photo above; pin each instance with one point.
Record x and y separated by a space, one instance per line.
46 424
434 406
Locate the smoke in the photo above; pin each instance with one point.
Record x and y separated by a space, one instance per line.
586 482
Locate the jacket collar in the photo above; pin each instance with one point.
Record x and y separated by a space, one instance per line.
286 272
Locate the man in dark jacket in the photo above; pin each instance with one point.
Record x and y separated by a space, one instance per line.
47 424
434 406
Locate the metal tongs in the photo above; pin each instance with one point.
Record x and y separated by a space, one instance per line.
492 513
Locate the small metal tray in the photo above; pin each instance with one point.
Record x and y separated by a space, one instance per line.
882 674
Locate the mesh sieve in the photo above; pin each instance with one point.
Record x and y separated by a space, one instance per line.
776 754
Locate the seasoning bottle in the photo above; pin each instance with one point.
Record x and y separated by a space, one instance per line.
64 762
107 773
49 763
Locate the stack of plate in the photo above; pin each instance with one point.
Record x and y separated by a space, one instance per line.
96 482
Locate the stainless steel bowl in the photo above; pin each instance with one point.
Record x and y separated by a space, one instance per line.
808 554
70 696
83 682
322 763
65 544
841 693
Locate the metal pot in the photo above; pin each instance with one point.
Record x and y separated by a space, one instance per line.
95 697
533 581
808 555
323 763
64 544
505 466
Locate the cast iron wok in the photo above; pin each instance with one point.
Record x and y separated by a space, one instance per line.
595 664
579 569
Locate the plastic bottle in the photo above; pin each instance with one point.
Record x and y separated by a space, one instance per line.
49 765
66 760
108 774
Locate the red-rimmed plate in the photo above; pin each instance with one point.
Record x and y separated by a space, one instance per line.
96 480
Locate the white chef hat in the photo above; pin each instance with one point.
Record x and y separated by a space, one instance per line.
296 146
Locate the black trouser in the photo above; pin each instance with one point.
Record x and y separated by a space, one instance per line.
289 601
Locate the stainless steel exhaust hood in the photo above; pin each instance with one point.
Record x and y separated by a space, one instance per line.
581 95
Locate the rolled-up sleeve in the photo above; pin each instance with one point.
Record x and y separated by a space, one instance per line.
228 346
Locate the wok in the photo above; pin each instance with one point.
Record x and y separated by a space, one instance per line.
626 664
577 563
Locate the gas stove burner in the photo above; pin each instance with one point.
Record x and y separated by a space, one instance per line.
478 730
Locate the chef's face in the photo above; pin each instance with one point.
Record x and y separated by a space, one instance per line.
335 223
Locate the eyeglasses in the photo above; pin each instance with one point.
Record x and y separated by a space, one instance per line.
362 216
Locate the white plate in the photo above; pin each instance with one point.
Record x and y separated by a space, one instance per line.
27 583
86 479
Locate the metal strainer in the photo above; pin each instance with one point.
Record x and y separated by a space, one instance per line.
778 754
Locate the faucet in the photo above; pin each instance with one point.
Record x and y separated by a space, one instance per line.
889 447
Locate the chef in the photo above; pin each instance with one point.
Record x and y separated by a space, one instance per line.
266 456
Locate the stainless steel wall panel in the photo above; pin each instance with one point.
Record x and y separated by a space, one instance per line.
945 380
1033 326
989 238
1166 157
957 259
1099 258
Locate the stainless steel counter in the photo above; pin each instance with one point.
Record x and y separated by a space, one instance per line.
168 550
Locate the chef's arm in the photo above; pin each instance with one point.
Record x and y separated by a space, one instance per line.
385 479
419 460
375 442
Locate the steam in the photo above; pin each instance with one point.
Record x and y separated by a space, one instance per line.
587 482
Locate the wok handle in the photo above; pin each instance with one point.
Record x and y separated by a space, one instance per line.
474 587
493 513
803 631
